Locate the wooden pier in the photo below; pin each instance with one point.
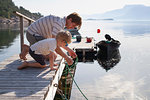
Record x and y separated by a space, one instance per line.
34 83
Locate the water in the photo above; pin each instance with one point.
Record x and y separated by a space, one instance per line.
128 80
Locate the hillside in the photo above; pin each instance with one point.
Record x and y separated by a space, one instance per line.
6 11
128 12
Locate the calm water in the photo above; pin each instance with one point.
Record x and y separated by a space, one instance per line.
128 80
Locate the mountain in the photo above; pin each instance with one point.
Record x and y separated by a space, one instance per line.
128 12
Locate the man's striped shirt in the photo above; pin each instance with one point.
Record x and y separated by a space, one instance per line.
46 26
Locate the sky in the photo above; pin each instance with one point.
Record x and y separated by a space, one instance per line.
83 7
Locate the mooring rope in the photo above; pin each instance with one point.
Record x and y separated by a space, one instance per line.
68 70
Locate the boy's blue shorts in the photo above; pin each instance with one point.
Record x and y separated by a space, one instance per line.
37 57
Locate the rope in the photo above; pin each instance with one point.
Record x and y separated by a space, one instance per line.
72 66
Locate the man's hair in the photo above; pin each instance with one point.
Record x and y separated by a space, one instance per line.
64 36
75 19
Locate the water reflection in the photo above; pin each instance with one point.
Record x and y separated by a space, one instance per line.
134 27
106 63
108 55
9 26
7 37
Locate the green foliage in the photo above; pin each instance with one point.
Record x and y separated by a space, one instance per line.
7 7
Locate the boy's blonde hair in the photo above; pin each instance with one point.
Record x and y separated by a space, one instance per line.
64 36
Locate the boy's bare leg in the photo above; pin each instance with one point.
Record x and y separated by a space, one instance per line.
47 57
27 64
55 56
24 52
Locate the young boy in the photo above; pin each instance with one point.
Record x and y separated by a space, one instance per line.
47 47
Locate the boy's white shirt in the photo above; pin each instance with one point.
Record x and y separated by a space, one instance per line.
44 46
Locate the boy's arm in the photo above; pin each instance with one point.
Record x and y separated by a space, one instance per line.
60 52
71 52
51 59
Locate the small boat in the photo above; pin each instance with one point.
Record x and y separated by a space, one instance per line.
74 32
108 54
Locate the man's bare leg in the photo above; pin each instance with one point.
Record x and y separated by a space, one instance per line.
28 64
24 52
24 65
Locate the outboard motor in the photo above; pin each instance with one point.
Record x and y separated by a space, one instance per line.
108 54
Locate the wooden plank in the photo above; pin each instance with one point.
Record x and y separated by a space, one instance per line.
24 83
21 98
27 18
24 78
22 92
30 73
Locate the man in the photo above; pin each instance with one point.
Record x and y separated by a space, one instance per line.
48 27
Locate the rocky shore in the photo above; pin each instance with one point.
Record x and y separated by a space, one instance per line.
13 20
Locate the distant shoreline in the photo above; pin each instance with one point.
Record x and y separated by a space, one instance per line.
13 20
100 19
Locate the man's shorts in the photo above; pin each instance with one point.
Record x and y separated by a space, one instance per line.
37 57
32 38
